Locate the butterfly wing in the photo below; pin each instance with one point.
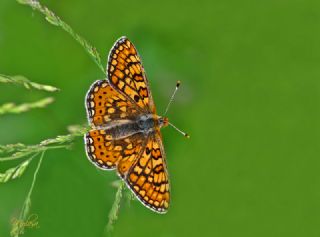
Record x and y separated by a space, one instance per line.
148 177
126 73
103 104
108 153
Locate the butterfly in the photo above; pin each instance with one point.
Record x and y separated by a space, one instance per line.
125 129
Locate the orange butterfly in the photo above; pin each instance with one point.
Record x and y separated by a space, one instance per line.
125 131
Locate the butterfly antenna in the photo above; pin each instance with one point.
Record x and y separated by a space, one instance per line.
168 106
183 133
172 97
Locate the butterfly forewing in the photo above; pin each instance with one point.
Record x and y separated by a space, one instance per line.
148 177
126 73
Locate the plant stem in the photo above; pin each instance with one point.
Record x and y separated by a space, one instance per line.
35 177
18 229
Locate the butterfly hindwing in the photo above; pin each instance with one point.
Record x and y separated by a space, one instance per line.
105 104
108 153
126 73
100 150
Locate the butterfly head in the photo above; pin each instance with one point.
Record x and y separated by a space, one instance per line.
163 121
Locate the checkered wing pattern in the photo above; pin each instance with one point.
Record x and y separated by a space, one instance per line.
126 73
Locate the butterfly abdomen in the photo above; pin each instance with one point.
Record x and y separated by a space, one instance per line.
124 128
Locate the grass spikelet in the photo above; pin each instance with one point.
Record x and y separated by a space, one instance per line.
16 109
23 81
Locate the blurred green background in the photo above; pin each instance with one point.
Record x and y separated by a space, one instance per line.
249 98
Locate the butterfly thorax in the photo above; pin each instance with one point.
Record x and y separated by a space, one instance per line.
144 124
150 122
